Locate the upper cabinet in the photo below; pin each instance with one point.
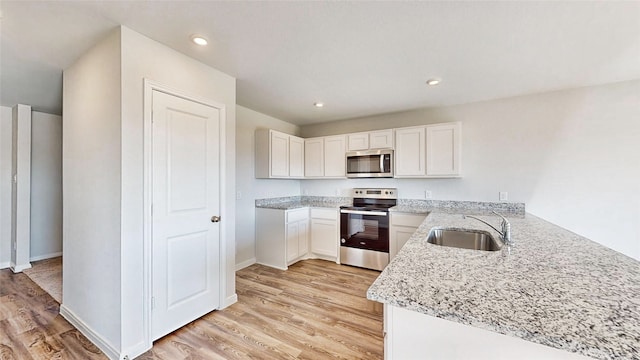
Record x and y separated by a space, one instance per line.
278 155
443 149
382 139
428 151
325 157
410 152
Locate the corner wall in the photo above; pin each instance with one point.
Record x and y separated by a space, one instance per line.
91 158
248 187
572 156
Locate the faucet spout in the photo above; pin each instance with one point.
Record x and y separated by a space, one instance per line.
505 232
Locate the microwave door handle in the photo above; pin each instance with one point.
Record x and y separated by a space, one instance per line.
382 163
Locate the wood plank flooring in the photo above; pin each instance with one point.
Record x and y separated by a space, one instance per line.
315 310
31 327
48 275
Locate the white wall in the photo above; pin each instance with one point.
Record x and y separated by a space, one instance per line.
145 58
46 185
572 156
91 158
5 185
248 186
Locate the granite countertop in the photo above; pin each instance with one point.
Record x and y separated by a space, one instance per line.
297 202
553 287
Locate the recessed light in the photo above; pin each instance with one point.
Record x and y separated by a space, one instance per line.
199 40
433 82
318 104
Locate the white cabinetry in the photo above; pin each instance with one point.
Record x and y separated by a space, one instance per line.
410 152
325 233
296 157
402 226
382 139
428 151
359 141
325 157
282 236
411 335
278 155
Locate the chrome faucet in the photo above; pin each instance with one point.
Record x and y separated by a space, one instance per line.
505 234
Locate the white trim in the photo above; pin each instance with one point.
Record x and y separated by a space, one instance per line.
93 336
45 256
19 268
230 300
244 264
149 87
5 265
134 351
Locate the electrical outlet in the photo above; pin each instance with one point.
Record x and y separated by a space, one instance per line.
504 196
238 195
427 194
337 191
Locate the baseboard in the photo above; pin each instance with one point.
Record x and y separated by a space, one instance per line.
46 256
244 264
5 265
96 339
134 351
19 268
230 300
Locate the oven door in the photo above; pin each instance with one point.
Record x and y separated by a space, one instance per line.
362 229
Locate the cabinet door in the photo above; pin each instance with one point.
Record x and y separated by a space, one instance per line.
410 152
292 241
324 237
359 141
382 139
303 238
398 237
443 149
314 157
279 154
296 157
334 156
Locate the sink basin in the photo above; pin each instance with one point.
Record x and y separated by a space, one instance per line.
463 238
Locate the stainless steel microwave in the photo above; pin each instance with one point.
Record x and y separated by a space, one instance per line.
370 164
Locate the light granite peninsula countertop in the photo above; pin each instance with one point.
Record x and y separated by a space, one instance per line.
553 287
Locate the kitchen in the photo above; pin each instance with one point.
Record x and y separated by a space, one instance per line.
567 153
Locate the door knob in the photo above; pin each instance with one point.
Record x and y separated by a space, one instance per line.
215 219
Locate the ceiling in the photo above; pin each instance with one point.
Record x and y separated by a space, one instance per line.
359 58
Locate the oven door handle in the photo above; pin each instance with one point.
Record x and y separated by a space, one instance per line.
360 212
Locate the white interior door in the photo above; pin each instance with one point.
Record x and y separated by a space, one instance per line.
186 196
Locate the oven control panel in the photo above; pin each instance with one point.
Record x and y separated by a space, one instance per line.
386 193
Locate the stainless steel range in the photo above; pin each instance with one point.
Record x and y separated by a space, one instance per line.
364 228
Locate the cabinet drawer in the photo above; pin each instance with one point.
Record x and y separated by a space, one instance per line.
413 220
328 214
296 215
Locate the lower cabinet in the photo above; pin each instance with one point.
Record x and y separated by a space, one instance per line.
402 226
325 233
283 236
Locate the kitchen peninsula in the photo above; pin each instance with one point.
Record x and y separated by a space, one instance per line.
553 288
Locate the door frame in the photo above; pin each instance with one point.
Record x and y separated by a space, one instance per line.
147 291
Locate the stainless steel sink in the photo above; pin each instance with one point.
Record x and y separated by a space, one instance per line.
463 238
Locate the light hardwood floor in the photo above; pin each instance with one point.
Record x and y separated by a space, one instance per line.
314 310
